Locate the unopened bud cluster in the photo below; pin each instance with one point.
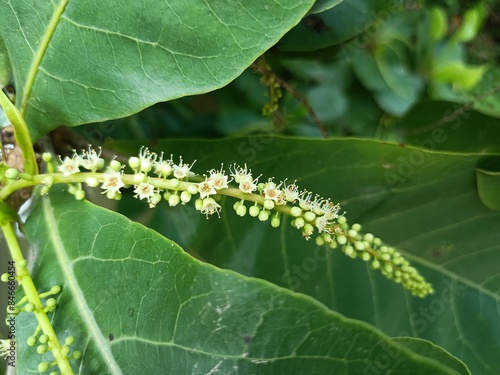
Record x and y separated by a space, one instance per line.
156 178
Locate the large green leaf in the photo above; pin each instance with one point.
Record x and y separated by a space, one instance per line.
135 302
80 62
425 203
439 125
338 24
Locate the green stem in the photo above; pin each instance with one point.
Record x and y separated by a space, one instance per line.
23 137
30 290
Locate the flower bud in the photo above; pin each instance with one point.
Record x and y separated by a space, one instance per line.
185 197
275 222
92 182
241 210
115 165
134 163
80 195
268 204
192 189
254 211
47 157
295 211
263 215
12 173
174 182
198 204
174 200
309 216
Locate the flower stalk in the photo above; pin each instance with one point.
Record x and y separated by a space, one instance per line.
154 178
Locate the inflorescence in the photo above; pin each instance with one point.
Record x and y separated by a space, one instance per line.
156 178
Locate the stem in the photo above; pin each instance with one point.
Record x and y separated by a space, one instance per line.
30 290
23 137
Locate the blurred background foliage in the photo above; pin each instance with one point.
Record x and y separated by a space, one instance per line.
366 68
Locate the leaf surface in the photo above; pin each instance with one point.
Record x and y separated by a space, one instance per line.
424 203
77 62
135 302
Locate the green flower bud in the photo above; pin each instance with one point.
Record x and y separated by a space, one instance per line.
174 200
155 199
359 245
333 244
41 349
31 341
29 307
254 211
275 222
69 340
77 354
236 205
365 256
356 227
47 157
342 240
349 251
146 166
51 302
268 204
92 182
241 210
80 195
264 215
192 189
185 197
368 237
43 366
309 216
12 173
65 351
43 339
167 195
375 264
22 263
115 165
134 163
298 222
5 277
352 233
327 237
295 211
174 183
198 204
320 241
341 220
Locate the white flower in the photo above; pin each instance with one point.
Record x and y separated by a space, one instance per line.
271 191
69 166
182 170
323 224
90 160
112 183
206 188
163 168
219 179
144 191
291 193
210 206
243 176
247 185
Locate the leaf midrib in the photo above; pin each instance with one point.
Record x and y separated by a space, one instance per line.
71 283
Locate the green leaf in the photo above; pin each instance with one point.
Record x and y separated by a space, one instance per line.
322 5
488 187
424 203
338 24
439 125
427 348
135 302
5 68
77 63
471 24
